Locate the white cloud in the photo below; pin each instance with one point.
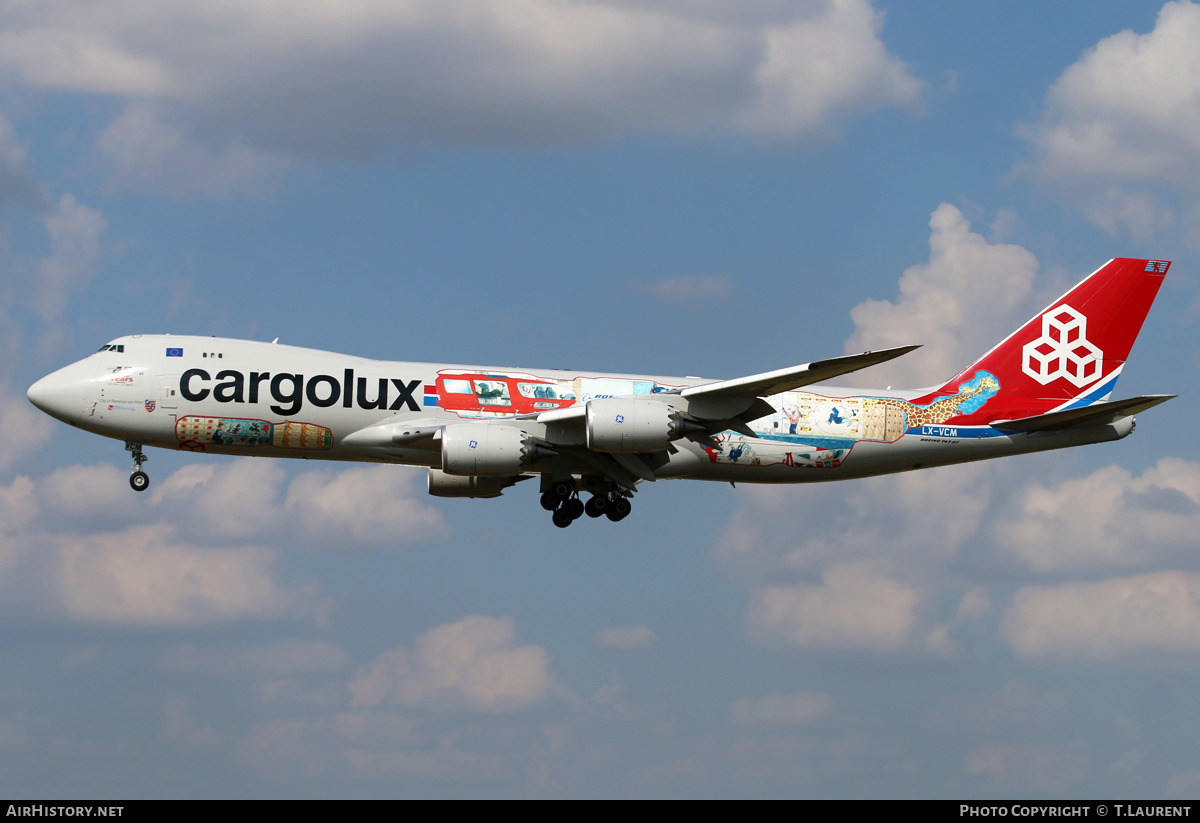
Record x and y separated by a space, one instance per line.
833 64
625 637
1015 709
180 725
381 745
86 496
246 499
18 506
25 428
284 658
974 605
78 540
1151 616
694 289
372 504
74 231
1107 518
1130 107
17 184
888 539
1029 767
776 710
918 518
854 607
1185 784
361 76
237 500
1141 214
470 664
956 306
139 150
1123 122
143 575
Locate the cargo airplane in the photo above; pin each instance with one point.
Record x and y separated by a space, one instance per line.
480 430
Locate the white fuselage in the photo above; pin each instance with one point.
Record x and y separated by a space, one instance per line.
243 397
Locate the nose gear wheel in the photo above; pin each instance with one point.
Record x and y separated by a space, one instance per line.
139 481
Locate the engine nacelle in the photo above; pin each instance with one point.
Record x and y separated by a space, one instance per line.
482 449
448 485
621 424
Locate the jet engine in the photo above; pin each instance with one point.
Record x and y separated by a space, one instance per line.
621 424
481 449
448 485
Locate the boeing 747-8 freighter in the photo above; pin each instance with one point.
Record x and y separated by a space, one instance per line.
479 430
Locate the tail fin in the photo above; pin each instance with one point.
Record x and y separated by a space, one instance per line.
1071 353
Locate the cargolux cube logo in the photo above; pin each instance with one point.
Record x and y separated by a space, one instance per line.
1063 350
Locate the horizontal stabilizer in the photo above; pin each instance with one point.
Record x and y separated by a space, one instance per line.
781 380
1099 414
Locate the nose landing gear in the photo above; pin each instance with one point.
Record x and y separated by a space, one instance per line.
139 481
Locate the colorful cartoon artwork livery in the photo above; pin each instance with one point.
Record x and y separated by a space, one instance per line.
479 394
198 433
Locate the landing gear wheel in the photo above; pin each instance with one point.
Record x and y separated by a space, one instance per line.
139 481
574 508
619 509
596 506
562 489
562 519
549 501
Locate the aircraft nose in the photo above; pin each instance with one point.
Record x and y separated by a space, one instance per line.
57 395
37 394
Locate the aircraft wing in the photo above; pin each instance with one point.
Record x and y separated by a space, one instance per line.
781 380
1098 414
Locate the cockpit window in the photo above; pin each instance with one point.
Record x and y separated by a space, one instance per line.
112 347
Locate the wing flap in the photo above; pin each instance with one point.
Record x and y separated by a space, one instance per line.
794 377
1098 414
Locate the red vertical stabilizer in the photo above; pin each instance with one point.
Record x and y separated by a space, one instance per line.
1072 352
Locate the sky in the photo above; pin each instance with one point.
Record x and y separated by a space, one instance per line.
689 188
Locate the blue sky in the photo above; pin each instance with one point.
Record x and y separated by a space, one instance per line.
701 188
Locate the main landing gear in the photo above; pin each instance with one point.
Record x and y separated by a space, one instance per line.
562 499
139 481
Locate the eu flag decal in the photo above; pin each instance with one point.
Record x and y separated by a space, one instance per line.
174 352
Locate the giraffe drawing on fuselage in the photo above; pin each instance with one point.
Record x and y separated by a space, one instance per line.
940 410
